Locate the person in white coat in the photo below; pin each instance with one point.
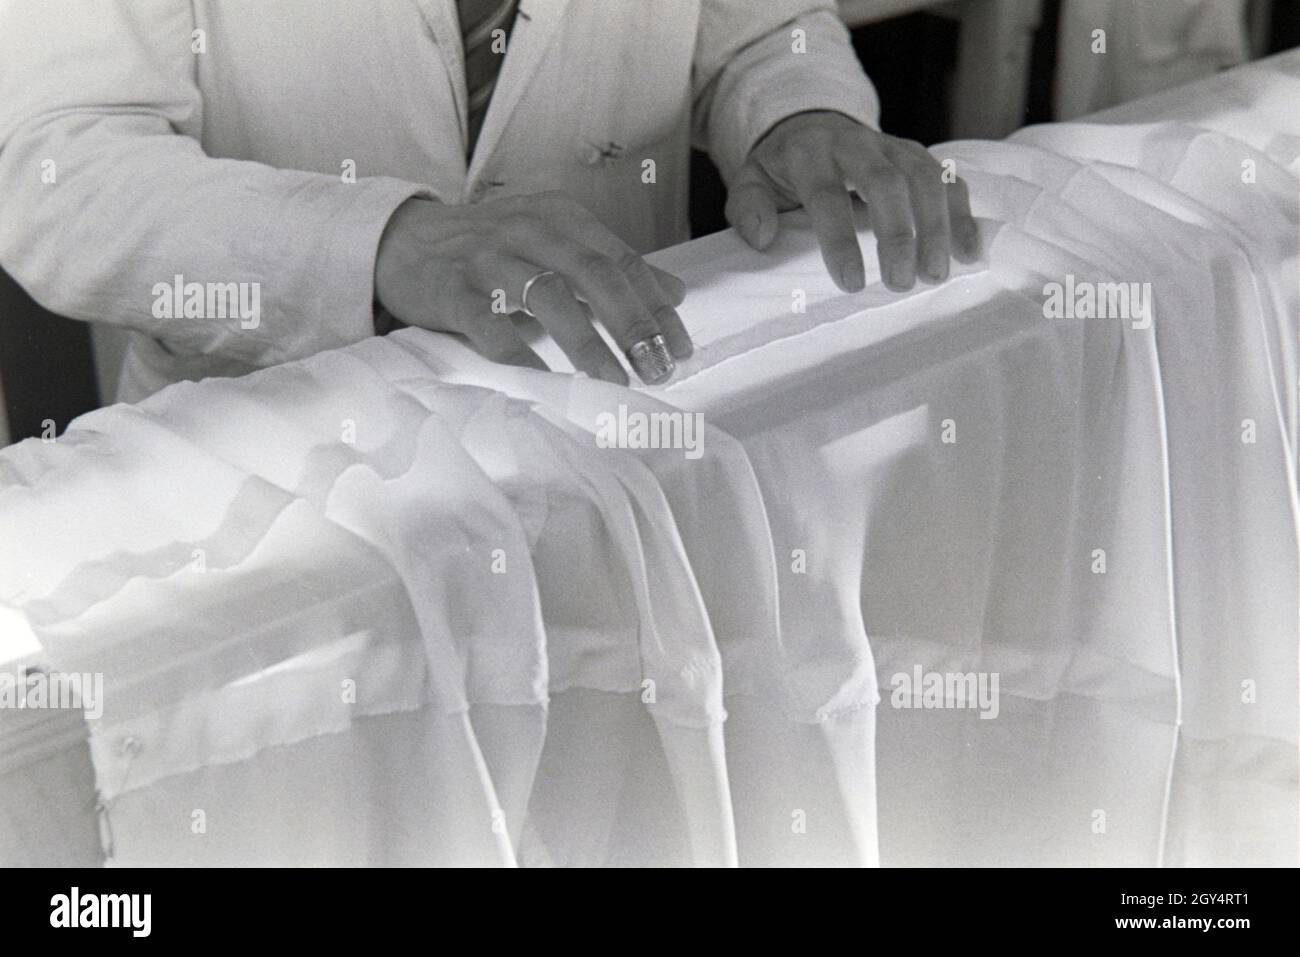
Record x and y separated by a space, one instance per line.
440 163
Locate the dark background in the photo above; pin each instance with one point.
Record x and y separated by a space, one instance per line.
46 364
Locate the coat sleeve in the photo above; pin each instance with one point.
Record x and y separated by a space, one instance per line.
108 193
758 63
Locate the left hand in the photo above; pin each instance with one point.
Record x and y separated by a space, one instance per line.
813 160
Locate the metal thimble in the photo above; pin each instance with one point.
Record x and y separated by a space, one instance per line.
652 360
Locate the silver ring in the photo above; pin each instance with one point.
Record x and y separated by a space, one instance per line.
528 287
652 360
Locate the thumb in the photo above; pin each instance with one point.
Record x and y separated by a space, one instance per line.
752 207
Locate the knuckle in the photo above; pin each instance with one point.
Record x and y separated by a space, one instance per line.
827 195
928 204
887 176
932 231
596 266
630 262
894 237
917 153
455 281
479 262
667 316
928 182
749 181
843 249
932 226
638 329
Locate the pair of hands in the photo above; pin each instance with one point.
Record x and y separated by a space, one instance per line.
463 269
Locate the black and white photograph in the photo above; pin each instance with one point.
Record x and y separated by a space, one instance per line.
650 434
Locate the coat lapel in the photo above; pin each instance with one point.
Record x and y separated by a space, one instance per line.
444 23
536 26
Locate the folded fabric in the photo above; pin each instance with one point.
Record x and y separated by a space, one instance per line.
397 604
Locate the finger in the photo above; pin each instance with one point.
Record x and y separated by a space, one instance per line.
752 206
645 282
673 288
584 228
489 291
929 210
830 206
965 231
502 279
596 280
495 338
465 308
889 208
569 323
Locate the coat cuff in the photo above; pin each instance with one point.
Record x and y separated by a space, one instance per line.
771 80
331 302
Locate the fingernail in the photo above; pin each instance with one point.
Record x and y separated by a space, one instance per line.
936 267
852 277
675 290
899 278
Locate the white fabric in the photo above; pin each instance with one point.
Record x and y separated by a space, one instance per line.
355 677
214 139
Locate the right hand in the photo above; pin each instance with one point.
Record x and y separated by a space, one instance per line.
443 267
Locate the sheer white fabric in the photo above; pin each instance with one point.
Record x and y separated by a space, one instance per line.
394 605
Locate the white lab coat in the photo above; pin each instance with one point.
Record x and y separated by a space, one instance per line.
212 140
1152 45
